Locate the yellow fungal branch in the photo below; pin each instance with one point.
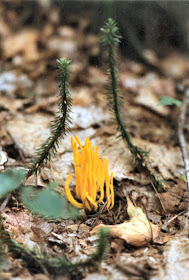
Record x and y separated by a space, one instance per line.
91 177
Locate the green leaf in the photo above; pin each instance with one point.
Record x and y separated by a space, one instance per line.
10 180
166 100
183 177
47 202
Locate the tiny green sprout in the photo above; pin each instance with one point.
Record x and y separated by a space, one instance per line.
167 101
183 177
63 61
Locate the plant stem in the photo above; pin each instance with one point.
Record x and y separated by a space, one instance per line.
111 39
61 123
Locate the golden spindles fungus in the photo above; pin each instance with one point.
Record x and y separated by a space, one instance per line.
91 176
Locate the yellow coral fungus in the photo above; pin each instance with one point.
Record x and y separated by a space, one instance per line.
91 176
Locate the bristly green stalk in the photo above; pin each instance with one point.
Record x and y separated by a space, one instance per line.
60 125
110 39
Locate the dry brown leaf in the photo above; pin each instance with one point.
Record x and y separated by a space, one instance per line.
24 42
4 29
67 48
175 197
12 82
82 96
148 99
44 105
117 245
176 65
165 158
83 117
138 231
148 90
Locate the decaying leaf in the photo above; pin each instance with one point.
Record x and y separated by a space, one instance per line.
24 42
137 231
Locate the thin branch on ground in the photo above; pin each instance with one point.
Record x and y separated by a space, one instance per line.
181 136
5 202
173 218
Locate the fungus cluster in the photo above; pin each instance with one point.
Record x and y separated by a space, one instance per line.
93 182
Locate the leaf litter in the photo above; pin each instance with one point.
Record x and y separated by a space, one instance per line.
26 119
138 231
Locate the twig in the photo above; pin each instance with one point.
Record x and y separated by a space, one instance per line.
161 203
173 218
181 137
5 202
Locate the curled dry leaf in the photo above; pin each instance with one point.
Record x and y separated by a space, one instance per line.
137 231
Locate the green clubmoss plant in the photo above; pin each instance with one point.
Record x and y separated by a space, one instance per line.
110 39
60 125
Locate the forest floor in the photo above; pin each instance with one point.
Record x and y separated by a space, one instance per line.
28 104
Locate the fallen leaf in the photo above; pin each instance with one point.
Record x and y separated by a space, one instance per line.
161 239
117 245
82 96
175 197
175 66
11 82
85 117
66 48
149 100
4 29
44 105
138 231
165 158
24 42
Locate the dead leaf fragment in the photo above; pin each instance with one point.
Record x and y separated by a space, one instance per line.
175 65
138 231
3 158
85 117
24 42
149 100
161 239
11 82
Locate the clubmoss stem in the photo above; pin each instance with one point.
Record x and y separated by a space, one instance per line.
111 39
61 123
